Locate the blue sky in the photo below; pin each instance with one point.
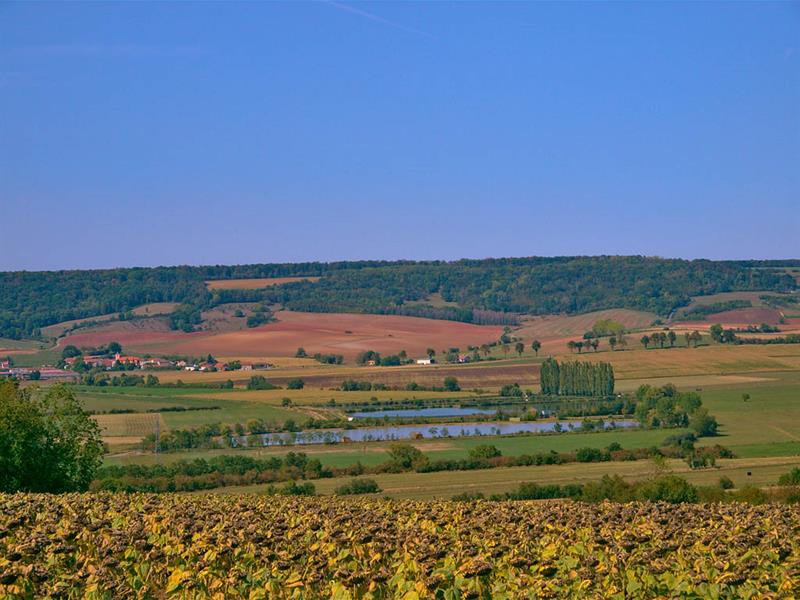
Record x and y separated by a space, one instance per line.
210 133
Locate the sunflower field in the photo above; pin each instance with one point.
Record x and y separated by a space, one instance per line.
181 546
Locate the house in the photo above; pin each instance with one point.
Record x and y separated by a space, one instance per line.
425 361
5 364
371 363
247 367
127 360
463 358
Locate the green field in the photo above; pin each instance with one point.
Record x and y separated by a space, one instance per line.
763 472
768 424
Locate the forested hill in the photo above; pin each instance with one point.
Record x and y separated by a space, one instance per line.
536 285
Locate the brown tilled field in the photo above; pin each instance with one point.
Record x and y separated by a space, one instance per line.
346 334
746 316
253 284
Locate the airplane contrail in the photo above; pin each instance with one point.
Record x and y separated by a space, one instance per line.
376 18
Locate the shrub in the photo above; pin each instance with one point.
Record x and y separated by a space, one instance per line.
295 384
358 486
585 455
610 487
468 497
451 384
667 488
259 382
790 478
406 456
484 451
292 488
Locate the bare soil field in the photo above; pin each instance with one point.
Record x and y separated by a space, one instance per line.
337 333
753 297
746 316
346 334
253 284
148 335
488 375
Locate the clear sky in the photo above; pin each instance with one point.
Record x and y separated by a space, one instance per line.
145 133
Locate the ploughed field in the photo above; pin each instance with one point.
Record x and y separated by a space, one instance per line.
336 333
279 547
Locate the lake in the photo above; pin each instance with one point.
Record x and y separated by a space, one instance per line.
405 432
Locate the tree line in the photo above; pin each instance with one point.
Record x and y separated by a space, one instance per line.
576 378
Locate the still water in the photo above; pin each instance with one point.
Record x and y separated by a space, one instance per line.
404 432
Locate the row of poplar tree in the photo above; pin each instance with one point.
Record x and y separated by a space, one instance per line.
577 378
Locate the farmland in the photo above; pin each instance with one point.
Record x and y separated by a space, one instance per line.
346 334
282 547
773 405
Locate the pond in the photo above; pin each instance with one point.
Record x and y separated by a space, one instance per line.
405 432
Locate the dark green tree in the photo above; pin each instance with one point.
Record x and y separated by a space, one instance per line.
451 384
48 443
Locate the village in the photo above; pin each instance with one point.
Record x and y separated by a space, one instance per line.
74 365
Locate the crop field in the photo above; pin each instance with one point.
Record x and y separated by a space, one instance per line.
337 333
309 396
129 426
213 546
484 375
253 284
639 363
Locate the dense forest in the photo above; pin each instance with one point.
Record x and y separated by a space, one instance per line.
488 290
